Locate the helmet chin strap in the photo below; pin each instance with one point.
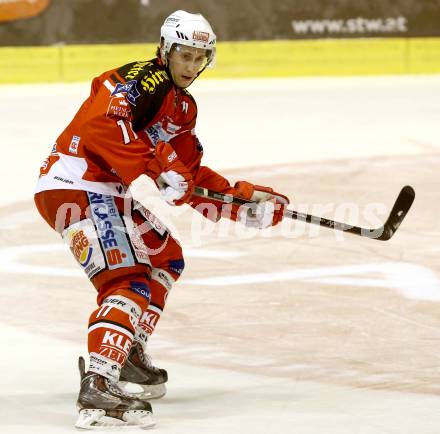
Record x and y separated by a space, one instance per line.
201 70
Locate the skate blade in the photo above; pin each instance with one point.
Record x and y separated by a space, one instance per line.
96 419
142 391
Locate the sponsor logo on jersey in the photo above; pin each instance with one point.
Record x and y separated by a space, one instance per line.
130 89
82 240
65 180
115 109
185 107
149 321
142 289
136 68
117 340
163 131
154 133
81 248
115 346
163 277
172 157
177 265
200 36
74 143
172 128
111 231
152 79
81 237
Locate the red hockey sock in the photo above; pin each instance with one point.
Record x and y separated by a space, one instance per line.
112 326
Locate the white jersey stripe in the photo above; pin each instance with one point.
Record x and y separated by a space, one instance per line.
155 309
114 327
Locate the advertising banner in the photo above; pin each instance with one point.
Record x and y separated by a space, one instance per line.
48 22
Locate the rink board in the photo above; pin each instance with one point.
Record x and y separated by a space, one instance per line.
370 56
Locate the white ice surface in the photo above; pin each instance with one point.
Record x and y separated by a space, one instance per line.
241 123
38 397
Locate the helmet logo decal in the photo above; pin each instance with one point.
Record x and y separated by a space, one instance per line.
200 36
172 20
181 35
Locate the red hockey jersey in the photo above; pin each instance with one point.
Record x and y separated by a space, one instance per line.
112 137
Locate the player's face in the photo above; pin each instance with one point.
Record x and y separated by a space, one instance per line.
185 63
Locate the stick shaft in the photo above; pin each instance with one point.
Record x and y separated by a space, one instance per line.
288 213
401 207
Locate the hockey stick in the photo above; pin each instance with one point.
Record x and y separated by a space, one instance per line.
383 233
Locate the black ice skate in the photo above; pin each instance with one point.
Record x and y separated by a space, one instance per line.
138 369
103 404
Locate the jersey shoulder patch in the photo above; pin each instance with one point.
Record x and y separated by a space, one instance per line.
146 85
148 77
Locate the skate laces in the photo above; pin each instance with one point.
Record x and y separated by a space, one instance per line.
145 358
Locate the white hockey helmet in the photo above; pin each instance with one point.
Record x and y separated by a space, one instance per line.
187 29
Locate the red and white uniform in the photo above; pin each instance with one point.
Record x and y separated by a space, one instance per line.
81 193
109 143
111 140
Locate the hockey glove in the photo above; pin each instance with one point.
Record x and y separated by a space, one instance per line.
173 178
269 208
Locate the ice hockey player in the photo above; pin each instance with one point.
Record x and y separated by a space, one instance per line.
139 119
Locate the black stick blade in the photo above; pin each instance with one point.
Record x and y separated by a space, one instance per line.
398 213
